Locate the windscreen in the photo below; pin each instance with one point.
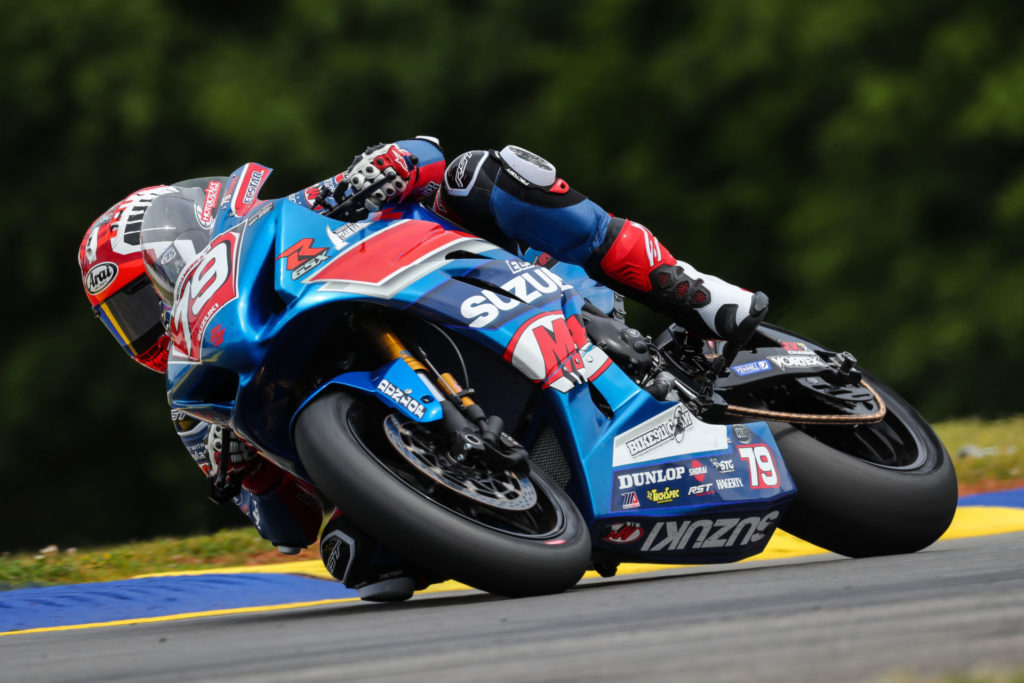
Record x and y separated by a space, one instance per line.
173 233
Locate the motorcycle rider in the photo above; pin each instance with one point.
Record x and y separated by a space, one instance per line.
511 197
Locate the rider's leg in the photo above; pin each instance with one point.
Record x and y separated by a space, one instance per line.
514 195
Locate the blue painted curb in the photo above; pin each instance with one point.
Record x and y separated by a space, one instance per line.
160 596
1012 498
163 596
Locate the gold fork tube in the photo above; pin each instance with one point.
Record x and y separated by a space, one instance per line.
389 342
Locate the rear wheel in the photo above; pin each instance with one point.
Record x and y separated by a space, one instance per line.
497 531
862 489
873 489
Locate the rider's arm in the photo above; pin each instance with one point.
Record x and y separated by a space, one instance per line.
285 510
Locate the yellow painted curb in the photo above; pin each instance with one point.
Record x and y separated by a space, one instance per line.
967 522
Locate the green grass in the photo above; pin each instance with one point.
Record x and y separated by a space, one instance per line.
1003 439
997 447
48 567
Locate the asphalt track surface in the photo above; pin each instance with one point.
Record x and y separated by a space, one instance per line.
954 608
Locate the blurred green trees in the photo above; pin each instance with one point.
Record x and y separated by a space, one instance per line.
859 160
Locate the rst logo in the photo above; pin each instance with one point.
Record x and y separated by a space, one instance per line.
527 287
702 534
203 288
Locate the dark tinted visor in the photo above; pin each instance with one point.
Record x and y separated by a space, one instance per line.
133 316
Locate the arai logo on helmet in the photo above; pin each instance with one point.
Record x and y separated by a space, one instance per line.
100 276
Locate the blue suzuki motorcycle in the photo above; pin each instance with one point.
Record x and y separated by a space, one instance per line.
497 422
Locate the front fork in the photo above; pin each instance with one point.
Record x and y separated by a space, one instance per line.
474 435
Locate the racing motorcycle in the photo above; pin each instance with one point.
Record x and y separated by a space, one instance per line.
497 422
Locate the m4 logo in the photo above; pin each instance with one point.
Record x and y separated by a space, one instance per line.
204 287
555 351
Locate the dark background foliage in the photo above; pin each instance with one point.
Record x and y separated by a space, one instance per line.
859 160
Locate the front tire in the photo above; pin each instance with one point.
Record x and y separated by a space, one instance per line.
339 442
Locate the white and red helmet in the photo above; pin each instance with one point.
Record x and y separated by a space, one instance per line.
115 281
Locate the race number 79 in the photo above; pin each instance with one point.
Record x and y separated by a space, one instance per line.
763 474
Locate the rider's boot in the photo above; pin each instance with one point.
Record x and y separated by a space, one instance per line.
376 572
632 261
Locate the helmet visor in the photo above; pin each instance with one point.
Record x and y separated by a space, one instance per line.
173 233
133 316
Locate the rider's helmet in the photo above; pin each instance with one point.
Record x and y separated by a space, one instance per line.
114 277
131 257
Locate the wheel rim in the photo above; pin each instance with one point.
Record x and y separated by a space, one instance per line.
502 490
543 520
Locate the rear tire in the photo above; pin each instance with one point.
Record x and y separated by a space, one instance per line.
339 448
859 508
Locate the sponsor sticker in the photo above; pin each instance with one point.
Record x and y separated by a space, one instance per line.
554 350
630 500
402 398
795 347
723 465
623 532
729 483
743 433
100 276
797 362
751 368
260 213
665 495
672 433
210 202
518 266
635 480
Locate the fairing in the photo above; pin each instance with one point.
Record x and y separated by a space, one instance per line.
274 278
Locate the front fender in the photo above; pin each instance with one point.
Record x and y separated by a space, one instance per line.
396 385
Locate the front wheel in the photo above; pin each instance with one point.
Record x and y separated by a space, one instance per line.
503 533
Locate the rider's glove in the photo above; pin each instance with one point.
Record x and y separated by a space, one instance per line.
382 174
225 449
